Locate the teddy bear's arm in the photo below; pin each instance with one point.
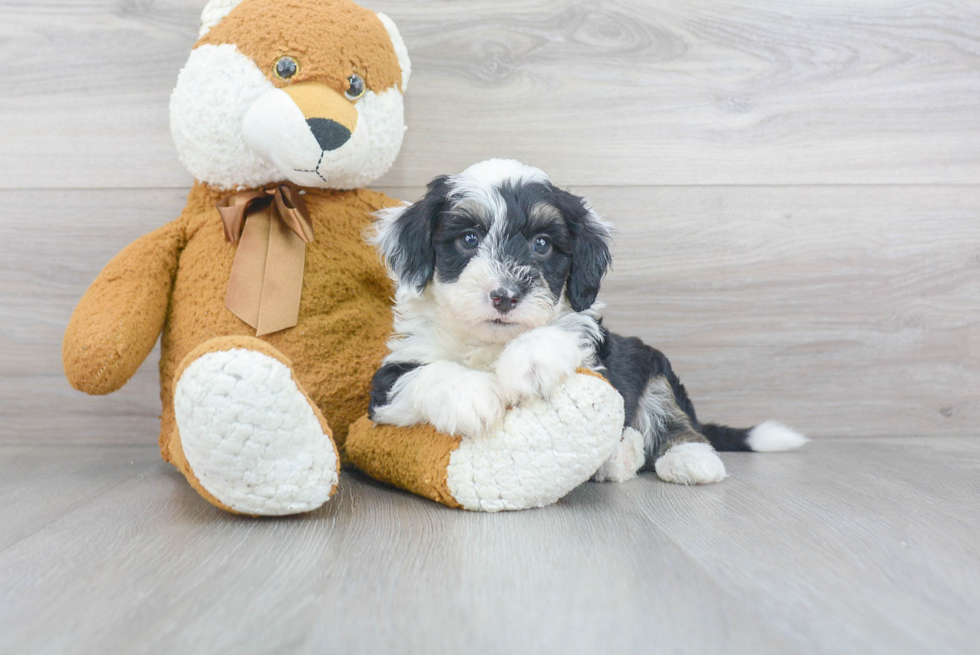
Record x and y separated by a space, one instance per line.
118 320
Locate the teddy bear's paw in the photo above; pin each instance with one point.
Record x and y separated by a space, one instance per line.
542 449
690 463
535 363
251 436
626 460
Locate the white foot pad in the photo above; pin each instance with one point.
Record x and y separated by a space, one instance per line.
690 463
250 434
541 450
627 459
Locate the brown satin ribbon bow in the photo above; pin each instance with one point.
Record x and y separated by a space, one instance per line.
272 226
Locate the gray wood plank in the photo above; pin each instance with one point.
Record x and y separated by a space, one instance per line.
628 92
854 546
845 311
847 546
152 568
40 485
46 264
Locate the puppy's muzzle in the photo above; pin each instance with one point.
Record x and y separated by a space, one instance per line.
505 299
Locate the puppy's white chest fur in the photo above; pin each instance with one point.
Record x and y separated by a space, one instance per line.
484 357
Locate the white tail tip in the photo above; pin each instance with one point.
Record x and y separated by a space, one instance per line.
772 436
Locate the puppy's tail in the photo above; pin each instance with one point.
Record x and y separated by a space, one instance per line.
764 438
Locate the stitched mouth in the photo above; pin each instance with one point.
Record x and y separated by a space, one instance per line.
315 171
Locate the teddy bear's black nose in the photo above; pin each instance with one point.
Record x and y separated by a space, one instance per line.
329 134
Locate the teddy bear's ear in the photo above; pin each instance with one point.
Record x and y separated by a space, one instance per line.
400 50
214 13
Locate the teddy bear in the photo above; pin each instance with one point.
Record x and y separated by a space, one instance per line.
272 310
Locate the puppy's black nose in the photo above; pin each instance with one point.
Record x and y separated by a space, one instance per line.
505 300
329 134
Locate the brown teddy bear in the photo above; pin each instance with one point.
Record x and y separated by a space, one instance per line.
273 310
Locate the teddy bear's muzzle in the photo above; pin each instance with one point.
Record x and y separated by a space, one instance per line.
310 132
331 117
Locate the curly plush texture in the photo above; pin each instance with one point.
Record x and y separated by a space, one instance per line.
116 323
232 68
330 45
258 425
248 433
180 274
540 452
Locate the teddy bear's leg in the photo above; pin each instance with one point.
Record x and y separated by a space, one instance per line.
537 454
248 436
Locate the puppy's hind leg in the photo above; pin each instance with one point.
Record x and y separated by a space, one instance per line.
690 459
626 461
680 453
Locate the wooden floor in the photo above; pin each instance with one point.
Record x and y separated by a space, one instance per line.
797 189
848 546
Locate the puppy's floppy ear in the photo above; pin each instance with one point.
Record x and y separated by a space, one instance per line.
590 252
404 236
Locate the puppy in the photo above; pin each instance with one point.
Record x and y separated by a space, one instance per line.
497 274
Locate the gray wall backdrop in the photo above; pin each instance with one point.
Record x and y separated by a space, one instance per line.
796 184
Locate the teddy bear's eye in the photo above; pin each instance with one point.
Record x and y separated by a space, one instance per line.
355 87
285 68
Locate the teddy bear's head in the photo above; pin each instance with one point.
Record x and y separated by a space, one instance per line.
308 91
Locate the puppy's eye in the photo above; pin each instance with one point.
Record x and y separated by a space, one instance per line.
541 245
355 87
469 240
285 68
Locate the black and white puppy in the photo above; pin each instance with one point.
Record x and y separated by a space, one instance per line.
497 274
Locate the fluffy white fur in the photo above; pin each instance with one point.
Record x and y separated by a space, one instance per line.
476 361
537 361
275 129
400 50
215 12
626 460
426 332
485 381
772 436
251 436
453 398
654 412
690 463
540 451
215 90
466 301
479 182
234 129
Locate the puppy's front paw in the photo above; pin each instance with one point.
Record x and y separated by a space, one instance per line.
468 405
534 364
690 463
